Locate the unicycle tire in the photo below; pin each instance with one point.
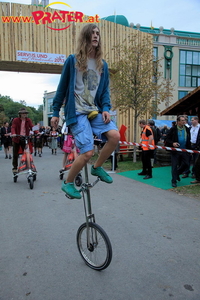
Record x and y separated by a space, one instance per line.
98 254
30 180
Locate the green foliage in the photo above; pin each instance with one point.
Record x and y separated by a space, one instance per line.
136 79
40 108
23 102
9 110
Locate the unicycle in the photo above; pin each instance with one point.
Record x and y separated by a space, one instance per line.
92 241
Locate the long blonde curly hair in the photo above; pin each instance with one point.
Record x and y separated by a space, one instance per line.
84 48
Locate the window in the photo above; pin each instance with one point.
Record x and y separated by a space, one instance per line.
155 53
155 63
182 94
50 103
189 70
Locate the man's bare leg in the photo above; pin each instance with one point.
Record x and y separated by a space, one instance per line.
77 165
113 137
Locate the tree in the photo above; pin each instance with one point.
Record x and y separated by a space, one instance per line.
9 110
137 83
40 111
2 118
1 108
23 102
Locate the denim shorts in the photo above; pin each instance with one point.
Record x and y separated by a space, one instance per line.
84 130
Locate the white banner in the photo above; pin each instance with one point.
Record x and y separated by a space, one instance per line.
41 57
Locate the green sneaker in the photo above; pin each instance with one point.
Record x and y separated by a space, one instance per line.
99 171
70 190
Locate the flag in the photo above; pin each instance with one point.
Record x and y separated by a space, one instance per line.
152 26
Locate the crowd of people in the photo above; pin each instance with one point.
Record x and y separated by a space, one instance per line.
12 137
181 135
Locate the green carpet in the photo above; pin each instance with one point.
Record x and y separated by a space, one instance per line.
161 178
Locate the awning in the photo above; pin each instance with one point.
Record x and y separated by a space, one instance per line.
188 105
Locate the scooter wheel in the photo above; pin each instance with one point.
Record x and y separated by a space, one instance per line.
30 180
78 180
15 178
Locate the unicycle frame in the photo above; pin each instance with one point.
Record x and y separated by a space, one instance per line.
85 189
93 243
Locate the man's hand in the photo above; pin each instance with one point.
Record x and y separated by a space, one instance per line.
176 145
106 117
54 122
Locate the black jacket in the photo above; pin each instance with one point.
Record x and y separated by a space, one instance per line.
156 134
172 137
3 132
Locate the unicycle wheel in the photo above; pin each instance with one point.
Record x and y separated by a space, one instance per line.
97 254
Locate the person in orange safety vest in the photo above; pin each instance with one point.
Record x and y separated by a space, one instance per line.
147 152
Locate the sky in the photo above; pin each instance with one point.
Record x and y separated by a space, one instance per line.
180 14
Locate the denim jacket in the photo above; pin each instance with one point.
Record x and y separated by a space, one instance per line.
66 89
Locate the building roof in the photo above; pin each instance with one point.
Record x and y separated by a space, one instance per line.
122 20
188 105
179 33
118 19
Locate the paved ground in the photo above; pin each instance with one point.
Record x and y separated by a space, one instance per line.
154 235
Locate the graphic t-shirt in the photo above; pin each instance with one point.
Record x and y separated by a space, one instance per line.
86 87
